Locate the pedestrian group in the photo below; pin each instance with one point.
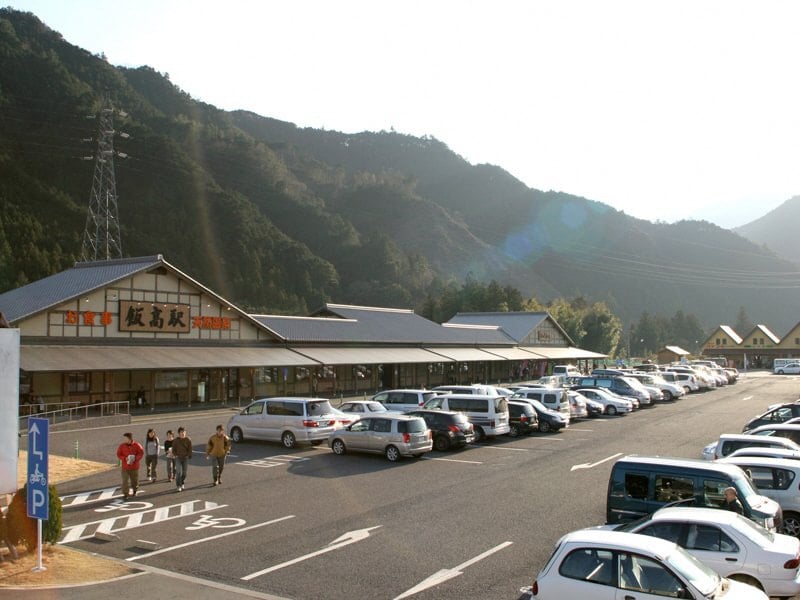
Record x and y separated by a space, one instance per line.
177 452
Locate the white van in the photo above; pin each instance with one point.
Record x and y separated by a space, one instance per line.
288 420
403 400
556 399
567 371
488 414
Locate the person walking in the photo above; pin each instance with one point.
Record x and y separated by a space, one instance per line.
169 456
130 455
151 448
182 449
218 448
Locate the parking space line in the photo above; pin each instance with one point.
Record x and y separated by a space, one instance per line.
213 537
468 462
500 448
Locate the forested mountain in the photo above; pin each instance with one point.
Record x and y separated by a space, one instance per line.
777 229
280 219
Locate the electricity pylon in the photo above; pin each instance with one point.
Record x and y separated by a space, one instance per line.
101 238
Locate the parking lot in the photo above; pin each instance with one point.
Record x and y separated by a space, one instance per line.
475 523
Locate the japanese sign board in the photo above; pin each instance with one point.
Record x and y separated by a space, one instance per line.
170 318
38 496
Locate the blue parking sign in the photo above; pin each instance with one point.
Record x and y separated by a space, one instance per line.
38 496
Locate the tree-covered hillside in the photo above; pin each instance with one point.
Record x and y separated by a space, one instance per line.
280 218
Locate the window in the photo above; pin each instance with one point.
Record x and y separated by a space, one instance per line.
381 425
78 382
254 409
714 492
709 538
362 425
665 531
768 478
589 564
644 574
670 488
636 486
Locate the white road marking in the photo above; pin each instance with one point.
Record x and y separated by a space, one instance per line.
208 539
148 517
468 462
746 398
502 448
272 461
599 462
91 496
446 574
345 540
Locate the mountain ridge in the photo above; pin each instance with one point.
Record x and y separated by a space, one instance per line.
281 219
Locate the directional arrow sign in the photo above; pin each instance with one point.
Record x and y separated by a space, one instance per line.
599 462
38 492
445 574
351 537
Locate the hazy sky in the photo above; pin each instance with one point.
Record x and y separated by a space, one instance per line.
667 110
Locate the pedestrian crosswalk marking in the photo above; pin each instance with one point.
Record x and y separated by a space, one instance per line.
138 519
89 497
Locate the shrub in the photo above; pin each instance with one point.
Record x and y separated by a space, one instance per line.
22 528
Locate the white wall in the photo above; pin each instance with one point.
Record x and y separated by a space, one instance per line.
9 409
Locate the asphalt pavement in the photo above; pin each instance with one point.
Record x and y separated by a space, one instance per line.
304 523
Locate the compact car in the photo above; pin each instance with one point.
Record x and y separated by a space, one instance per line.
392 435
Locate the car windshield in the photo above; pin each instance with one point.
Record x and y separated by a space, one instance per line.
744 487
700 576
320 407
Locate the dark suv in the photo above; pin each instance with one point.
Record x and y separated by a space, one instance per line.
522 418
450 429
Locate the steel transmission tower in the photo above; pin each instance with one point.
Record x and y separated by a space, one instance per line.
101 238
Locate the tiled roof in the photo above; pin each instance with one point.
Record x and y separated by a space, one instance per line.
517 325
339 323
84 277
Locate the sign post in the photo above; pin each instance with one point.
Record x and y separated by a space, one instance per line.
38 493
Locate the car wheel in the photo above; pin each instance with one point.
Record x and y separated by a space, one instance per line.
514 430
479 435
338 447
441 443
544 427
687 389
748 580
288 439
236 435
791 524
611 410
392 453
780 371
668 396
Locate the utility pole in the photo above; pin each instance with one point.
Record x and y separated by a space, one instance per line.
101 238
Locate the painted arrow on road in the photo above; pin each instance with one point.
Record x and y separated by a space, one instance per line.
351 537
599 462
446 574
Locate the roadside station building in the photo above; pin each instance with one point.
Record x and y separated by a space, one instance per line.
125 329
757 349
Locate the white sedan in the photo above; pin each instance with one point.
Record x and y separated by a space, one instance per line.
728 543
609 565
612 405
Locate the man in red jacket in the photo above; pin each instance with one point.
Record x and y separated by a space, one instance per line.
129 454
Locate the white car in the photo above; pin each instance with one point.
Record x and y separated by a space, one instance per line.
775 478
594 564
612 406
792 368
730 544
364 407
730 442
577 405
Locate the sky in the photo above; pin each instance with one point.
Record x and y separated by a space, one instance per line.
664 109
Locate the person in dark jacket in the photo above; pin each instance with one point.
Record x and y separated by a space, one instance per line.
182 449
169 456
130 455
151 449
732 501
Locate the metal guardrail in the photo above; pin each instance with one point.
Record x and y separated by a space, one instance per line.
76 413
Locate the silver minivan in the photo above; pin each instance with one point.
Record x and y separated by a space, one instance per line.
488 414
288 420
556 399
403 400
388 434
